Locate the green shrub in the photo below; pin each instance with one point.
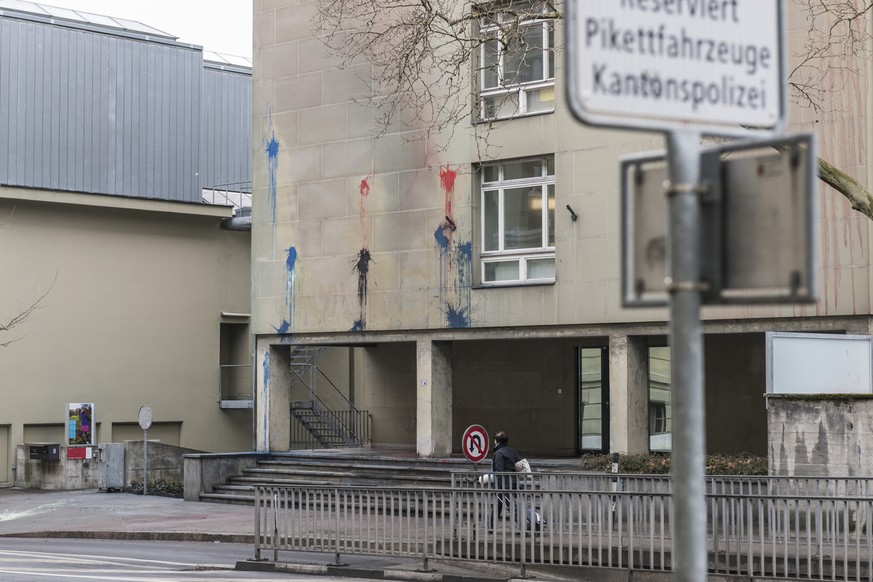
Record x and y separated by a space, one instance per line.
659 464
160 487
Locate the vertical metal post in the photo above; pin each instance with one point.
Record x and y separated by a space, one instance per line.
145 461
686 338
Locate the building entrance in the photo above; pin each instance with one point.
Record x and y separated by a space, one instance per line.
593 400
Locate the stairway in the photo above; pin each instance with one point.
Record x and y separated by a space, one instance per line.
332 468
324 426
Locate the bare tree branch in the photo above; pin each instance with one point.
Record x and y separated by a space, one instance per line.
425 60
22 316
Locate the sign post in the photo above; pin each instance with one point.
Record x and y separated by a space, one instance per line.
145 421
475 443
687 69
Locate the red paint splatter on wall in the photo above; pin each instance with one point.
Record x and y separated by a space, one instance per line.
364 190
447 178
447 181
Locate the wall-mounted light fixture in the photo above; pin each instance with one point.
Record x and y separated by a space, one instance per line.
573 215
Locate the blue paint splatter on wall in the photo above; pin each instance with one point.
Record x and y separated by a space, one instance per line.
290 283
265 400
455 262
443 241
272 150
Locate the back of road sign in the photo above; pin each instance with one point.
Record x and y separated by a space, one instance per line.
714 65
758 214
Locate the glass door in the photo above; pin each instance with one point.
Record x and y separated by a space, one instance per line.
593 400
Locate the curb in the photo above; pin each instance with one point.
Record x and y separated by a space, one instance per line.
368 573
157 536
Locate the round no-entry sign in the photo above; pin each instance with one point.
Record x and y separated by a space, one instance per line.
475 443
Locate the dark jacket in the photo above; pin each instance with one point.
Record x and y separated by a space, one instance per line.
504 461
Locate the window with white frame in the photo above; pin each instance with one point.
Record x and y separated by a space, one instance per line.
518 221
517 60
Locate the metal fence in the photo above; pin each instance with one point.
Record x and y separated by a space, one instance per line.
826 535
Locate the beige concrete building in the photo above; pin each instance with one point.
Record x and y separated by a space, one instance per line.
102 174
455 288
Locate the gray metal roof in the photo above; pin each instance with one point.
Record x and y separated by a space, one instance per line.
77 17
89 106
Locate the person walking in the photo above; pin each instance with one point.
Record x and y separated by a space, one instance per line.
503 468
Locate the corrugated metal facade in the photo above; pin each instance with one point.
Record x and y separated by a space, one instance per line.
226 126
95 112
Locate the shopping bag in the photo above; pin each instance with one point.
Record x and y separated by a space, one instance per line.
522 466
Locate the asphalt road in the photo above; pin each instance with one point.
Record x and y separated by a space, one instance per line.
75 560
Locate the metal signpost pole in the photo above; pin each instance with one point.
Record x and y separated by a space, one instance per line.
683 155
145 421
145 461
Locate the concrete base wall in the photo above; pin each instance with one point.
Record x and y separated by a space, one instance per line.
820 437
204 472
164 462
58 475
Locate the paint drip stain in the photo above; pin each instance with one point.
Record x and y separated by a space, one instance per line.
290 281
271 148
362 268
265 419
455 261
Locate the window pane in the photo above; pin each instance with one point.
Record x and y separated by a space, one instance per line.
503 271
491 173
551 215
523 61
660 400
491 212
551 52
541 269
490 60
498 106
550 166
591 426
519 170
541 99
522 218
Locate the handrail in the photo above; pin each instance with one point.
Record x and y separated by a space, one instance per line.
352 407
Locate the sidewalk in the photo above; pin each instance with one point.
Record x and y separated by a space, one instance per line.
124 516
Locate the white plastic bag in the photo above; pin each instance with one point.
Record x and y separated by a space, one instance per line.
522 466
486 479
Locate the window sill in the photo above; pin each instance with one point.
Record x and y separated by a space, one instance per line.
512 284
511 117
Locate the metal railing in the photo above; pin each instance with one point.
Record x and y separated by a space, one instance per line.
236 194
802 536
235 382
356 422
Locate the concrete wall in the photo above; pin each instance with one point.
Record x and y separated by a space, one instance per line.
390 392
164 462
820 437
132 317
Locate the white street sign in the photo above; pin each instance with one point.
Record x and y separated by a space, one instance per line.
714 65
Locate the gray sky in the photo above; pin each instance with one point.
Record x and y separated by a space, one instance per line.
222 26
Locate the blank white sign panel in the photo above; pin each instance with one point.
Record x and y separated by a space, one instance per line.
800 363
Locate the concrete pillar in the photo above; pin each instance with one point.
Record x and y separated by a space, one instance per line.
272 398
628 395
433 426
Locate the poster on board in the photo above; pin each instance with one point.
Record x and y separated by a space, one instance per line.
80 423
